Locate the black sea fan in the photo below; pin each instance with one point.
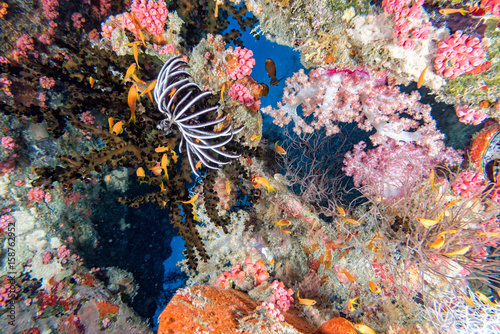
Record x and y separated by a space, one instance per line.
176 97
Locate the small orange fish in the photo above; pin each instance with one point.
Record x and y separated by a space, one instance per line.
198 165
279 149
450 204
461 251
485 104
228 187
132 100
284 231
341 211
91 81
429 222
164 164
110 122
191 200
222 92
264 183
283 222
484 299
307 302
255 137
172 92
148 90
130 71
421 78
363 329
351 221
140 172
136 79
141 36
117 128
216 8
438 243
161 149
351 303
374 287
174 156
135 50
162 187
448 11
349 276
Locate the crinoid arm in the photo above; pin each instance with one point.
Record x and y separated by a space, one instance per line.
177 99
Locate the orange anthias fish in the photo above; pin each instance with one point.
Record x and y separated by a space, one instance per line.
438 243
264 183
254 137
140 172
351 303
271 71
91 81
307 302
461 251
349 276
364 329
135 50
374 287
136 79
283 222
148 90
117 128
132 100
430 222
421 78
484 299
448 11
111 122
191 200
284 231
130 71
161 149
279 149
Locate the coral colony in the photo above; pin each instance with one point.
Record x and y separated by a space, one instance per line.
108 106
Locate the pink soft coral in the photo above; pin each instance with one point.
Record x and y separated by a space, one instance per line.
151 15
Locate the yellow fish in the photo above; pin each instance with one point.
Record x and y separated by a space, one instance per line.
130 71
148 90
192 200
349 276
430 222
461 251
284 231
484 299
341 211
111 122
161 149
222 92
374 287
264 183
351 303
174 156
419 84
364 329
438 243
279 149
448 11
351 221
450 204
283 222
91 81
135 50
141 36
307 302
228 187
254 137
164 164
136 79
118 128
140 172
132 101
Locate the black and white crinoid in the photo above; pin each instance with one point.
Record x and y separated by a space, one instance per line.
177 97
